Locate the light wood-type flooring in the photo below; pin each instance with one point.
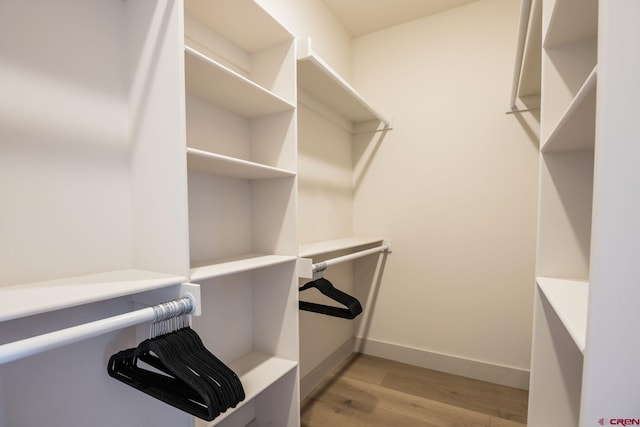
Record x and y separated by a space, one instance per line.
369 391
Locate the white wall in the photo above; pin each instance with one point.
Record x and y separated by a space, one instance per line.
454 186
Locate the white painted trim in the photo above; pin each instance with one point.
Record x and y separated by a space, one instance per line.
320 373
497 374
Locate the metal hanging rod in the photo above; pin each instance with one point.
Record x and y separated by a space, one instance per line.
40 343
321 266
525 12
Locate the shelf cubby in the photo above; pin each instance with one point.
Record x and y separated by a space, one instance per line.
209 80
582 16
324 84
258 372
564 224
231 217
575 130
245 45
239 328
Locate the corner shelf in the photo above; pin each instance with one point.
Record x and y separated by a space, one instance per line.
207 269
40 297
209 80
576 129
321 81
257 371
218 164
309 250
569 299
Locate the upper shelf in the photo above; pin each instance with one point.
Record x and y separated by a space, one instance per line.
576 129
571 21
208 79
321 81
259 30
40 297
569 300
309 250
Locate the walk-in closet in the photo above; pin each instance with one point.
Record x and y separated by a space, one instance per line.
319 213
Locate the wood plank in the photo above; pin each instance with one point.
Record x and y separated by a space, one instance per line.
492 399
366 390
356 403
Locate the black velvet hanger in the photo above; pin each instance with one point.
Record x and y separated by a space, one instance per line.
180 387
353 307
192 378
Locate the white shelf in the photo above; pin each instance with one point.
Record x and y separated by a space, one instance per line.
217 164
40 297
209 80
575 130
572 20
208 269
319 80
257 371
309 250
569 299
243 22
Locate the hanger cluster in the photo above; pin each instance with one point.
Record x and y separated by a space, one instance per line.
352 305
191 378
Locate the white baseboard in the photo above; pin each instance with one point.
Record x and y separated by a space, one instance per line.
322 371
497 374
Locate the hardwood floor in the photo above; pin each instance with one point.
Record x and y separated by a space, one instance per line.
369 391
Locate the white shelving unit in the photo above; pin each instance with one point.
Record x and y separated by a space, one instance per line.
567 128
587 276
166 153
334 120
241 159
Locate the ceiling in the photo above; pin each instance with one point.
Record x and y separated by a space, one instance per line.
361 17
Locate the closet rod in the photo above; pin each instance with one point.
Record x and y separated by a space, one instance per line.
40 343
321 266
525 12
